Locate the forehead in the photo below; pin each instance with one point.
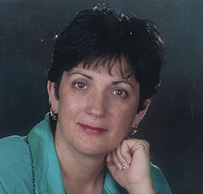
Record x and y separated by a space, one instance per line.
114 67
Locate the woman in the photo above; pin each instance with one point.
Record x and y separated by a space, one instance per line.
105 69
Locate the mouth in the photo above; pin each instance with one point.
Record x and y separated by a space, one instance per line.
92 130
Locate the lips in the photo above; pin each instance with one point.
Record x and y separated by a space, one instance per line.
92 130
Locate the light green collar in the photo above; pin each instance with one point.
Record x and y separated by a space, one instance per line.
47 173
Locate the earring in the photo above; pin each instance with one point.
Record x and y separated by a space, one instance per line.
54 115
134 131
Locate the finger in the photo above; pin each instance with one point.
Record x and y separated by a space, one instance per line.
116 160
125 150
110 164
141 155
135 149
131 145
139 144
108 157
121 157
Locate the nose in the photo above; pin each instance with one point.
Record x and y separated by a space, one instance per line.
97 105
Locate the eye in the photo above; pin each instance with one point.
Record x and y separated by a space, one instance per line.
120 93
80 85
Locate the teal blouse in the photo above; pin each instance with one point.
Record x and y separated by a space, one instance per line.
30 165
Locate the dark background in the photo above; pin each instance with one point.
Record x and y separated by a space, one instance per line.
173 125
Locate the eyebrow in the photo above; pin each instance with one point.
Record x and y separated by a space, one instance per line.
87 76
114 83
125 82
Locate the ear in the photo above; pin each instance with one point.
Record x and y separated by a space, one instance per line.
139 116
53 99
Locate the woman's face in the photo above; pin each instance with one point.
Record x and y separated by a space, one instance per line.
96 110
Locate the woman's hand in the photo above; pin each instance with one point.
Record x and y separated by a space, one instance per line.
129 164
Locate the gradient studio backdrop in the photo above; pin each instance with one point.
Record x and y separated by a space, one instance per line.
173 125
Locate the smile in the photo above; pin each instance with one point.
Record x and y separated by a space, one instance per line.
92 130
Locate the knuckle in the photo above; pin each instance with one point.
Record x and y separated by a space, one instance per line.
144 144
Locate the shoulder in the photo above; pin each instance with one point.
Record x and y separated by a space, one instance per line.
11 140
13 147
15 165
159 181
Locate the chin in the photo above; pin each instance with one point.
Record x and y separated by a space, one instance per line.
94 150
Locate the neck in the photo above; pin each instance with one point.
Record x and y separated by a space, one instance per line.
81 173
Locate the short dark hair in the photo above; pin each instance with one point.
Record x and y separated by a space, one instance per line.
99 34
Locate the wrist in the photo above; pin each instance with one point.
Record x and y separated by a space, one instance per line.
141 189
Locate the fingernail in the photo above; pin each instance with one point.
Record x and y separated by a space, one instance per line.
125 166
120 167
128 161
108 158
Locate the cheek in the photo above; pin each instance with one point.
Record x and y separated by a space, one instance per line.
70 106
124 118
69 113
